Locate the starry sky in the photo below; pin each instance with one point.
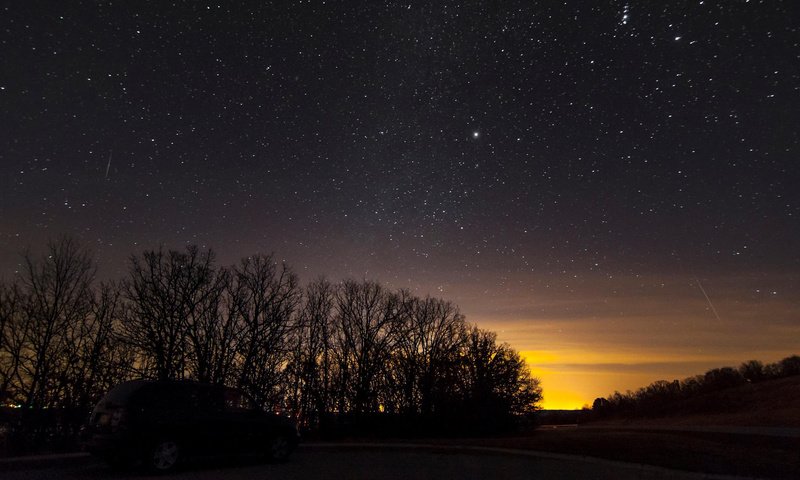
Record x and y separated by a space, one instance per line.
611 186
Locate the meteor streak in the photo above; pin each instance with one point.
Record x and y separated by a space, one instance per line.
707 299
108 167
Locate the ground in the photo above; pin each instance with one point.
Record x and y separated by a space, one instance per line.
698 451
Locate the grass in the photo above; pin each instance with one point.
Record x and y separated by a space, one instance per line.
771 403
749 455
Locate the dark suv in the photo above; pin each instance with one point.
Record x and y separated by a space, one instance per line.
161 423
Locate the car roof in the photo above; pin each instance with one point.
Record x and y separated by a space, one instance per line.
122 392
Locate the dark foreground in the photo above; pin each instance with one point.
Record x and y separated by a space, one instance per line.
362 462
764 455
545 453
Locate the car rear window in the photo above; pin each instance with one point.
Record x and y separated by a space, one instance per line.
122 393
236 401
183 397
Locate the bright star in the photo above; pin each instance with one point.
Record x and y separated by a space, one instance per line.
475 134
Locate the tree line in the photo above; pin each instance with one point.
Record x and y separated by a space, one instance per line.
320 351
684 396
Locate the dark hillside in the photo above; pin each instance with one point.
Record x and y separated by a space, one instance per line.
772 403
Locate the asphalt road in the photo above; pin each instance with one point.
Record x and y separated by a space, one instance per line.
351 463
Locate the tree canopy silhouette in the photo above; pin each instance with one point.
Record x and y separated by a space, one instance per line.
320 351
665 397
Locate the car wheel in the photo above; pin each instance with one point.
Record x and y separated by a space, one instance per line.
163 456
278 449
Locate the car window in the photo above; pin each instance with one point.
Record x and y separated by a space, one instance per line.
169 396
209 399
196 398
236 401
151 395
123 392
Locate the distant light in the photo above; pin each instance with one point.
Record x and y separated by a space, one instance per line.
677 38
475 134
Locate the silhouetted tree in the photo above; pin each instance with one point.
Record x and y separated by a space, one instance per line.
692 385
721 378
312 358
96 360
601 406
56 300
752 371
366 319
166 296
790 366
350 348
656 397
430 335
57 348
265 297
664 397
11 339
495 379
210 332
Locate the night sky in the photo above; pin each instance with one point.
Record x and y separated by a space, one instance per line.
613 187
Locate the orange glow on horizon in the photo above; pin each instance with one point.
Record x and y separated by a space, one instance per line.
596 333
572 380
